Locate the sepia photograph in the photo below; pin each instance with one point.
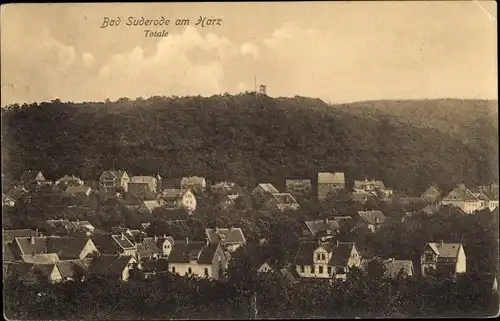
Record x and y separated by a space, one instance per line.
250 160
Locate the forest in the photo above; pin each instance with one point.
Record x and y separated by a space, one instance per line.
250 138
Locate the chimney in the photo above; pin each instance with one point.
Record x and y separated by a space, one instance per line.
337 243
36 232
122 236
326 220
442 242
155 238
207 242
32 240
33 253
187 241
376 220
164 236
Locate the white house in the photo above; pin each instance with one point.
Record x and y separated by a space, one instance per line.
172 199
327 260
464 199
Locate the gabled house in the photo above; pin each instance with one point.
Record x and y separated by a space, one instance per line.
228 202
141 185
30 273
301 187
488 199
33 177
66 248
444 259
230 238
154 247
371 220
329 182
327 226
287 273
281 202
464 199
262 192
114 181
200 259
113 267
195 183
432 194
147 207
74 270
173 199
328 260
114 245
79 190
393 268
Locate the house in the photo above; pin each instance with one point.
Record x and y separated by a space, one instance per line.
8 201
33 177
60 227
114 181
230 238
223 187
301 187
393 268
117 230
164 243
79 190
141 185
147 207
200 259
262 192
173 199
84 226
371 220
69 181
464 199
228 202
30 273
488 199
328 226
152 247
287 273
195 183
445 259
10 235
73 270
151 268
329 182
327 260
374 187
66 248
114 244
113 267
44 258
432 194
281 202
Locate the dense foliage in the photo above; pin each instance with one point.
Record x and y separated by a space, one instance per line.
170 297
248 138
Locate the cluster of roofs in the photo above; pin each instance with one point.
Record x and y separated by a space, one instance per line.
144 194
121 254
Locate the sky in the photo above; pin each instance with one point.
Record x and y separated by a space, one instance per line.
337 51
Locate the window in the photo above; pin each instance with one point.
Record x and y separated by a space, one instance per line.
173 269
318 257
428 257
329 270
189 270
312 269
302 270
320 269
206 271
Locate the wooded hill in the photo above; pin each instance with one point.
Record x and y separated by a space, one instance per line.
251 138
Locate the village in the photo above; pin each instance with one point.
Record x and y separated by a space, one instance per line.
72 248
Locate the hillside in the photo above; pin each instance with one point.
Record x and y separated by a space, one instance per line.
248 138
